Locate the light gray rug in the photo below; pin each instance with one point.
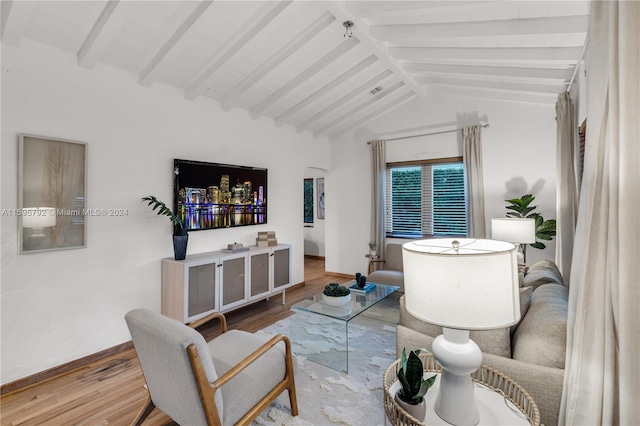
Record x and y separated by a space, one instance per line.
330 397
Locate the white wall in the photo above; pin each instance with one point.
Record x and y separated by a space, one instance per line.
314 240
60 306
518 156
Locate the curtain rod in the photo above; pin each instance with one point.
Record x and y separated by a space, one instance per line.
426 134
577 68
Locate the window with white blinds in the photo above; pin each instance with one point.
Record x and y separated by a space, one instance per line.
426 199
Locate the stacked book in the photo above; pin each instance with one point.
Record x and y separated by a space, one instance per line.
368 287
266 239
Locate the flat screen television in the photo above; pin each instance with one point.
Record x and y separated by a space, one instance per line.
212 195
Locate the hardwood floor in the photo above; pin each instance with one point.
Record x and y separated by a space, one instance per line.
111 391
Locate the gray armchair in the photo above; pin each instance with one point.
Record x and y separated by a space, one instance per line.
229 380
390 270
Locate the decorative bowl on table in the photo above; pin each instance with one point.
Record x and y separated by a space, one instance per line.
335 294
336 301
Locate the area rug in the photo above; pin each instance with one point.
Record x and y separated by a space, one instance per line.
330 397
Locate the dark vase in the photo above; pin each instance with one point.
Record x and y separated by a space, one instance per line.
180 246
362 281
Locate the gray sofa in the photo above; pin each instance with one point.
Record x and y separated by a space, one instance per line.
532 352
390 272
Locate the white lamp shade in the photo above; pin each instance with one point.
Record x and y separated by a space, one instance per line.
38 217
514 230
475 288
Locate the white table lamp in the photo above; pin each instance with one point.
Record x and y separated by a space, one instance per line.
460 284
521 231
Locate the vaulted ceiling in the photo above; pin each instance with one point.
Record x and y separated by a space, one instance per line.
295 61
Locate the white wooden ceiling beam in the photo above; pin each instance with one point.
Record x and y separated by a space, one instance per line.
357 91
298 41
358 108
510 27
15 18
376 113
568 54
362 32
149 71
267 13
384 9
101 35
305 75
350 73
503 85
537 98
433 76
563 73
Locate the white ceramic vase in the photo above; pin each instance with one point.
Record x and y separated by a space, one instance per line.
417 411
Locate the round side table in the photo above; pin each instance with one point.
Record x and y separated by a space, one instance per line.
491 386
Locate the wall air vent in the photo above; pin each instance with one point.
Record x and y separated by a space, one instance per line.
376 90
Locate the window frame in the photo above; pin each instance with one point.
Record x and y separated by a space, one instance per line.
420 163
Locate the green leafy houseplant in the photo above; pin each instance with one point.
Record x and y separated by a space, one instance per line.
522 208
373 245
411 376
180 236
335 290
163 210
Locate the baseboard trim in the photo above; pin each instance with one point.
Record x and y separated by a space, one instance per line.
338 274
62 369
312 256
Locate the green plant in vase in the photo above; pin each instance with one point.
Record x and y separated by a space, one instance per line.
180 236
372 248
521 208
414 386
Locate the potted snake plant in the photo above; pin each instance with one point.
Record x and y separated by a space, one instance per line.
413 385
180 235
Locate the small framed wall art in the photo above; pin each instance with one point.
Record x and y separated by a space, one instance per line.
308 201
320 191
51 194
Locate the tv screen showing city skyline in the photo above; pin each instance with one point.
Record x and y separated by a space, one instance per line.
213 195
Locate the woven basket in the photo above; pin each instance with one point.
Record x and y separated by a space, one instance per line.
484 375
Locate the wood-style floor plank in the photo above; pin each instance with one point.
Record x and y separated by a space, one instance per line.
110 391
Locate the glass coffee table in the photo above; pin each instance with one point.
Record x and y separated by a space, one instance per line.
321 332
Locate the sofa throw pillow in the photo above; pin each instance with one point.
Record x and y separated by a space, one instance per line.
541 337
542 272
525 301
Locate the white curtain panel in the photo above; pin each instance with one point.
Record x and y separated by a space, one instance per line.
567 183
472 159
378 193
602 378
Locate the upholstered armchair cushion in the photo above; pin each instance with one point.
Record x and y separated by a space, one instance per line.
387 277
391 270
393 257
231 347
161 344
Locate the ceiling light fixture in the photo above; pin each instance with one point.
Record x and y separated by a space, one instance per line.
348 25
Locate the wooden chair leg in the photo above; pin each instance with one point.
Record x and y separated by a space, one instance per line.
144 413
